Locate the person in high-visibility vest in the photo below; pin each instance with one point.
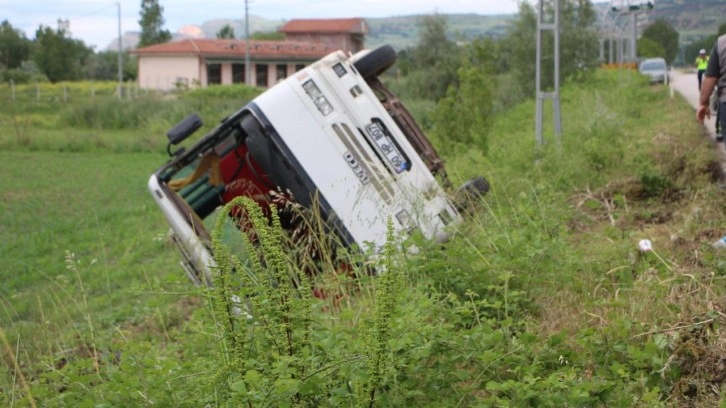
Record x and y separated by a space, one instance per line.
701 64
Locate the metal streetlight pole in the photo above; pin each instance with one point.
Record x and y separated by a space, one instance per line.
632 8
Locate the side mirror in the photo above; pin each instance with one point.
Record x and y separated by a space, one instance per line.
184 129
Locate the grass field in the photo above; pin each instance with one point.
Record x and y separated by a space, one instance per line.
542 299
85 250
90 211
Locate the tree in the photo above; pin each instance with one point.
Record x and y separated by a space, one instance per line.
579 46
104 66
226 32
433 44
649 48
58 56
487 53
664 34
579 43
435 59
151 24
464 114
14 47
707 43
267 36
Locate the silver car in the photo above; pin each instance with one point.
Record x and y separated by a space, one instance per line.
656 69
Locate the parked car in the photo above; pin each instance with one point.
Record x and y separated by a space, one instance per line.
331 138
656 69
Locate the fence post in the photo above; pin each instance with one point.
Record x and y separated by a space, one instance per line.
93 90
12 90
37 91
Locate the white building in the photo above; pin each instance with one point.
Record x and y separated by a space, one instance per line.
203 62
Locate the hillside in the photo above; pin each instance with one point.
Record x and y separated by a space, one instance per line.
402 31
399 31
694 20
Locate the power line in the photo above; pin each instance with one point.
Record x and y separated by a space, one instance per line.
85 16
93 13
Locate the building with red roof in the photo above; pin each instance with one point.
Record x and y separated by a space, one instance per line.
203 62
347 34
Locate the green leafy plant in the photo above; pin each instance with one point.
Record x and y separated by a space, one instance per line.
263 306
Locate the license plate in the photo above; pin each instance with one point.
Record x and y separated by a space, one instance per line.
387 147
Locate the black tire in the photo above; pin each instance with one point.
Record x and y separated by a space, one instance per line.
476 187
376 61
470 192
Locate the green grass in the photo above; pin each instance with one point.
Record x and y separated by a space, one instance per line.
541 299
87 267
84 121
94 206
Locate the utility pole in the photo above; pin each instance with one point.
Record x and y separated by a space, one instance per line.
634 35
606 37
555 94
247 44
120 57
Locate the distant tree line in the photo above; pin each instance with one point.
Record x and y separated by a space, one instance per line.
431 67
53 55
691 50
433 64
227 32
470 80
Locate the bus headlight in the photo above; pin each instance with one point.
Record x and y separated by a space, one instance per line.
321 102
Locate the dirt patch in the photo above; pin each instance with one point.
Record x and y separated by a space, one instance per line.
708 235
620 203
700 353
691 248
715 171
159 326
663 216
15 196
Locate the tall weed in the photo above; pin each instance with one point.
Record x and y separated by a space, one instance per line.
542 298
274 352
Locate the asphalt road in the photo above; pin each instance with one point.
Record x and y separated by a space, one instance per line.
686 84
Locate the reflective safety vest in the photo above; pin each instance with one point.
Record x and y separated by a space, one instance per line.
702 63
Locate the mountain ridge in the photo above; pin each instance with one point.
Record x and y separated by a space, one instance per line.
399 31
693 19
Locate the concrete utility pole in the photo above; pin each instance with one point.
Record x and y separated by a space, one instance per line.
120 50
606 36
555 94
247 44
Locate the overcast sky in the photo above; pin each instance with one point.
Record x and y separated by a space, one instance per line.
96 21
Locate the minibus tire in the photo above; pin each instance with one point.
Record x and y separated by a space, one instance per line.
376 61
